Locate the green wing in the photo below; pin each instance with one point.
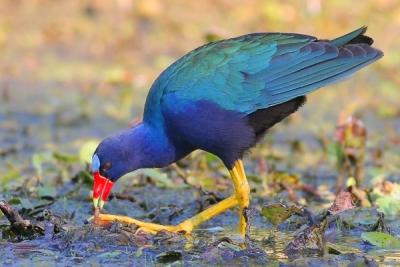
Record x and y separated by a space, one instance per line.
261 70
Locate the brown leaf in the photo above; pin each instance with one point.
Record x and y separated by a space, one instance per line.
343 201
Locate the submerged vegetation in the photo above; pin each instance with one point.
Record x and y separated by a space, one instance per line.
325 183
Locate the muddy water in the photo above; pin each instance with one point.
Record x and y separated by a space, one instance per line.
215 242
60 122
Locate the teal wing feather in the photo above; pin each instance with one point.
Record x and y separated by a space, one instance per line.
257 71
351 37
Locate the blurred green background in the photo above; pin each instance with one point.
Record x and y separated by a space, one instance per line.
75 71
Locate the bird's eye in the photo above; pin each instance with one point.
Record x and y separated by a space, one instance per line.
107 166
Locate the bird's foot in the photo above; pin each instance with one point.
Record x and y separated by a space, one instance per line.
152 228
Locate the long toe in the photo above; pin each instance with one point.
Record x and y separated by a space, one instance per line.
147 227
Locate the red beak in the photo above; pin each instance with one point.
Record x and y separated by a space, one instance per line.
101 189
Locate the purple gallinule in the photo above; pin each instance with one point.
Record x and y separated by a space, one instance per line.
222 97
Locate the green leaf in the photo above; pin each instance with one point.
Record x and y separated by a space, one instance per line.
338 249
278 213
38 159
255 178
110 255
211 158
84 177
26 204
87 150
14 201
169 256
138 252
230 246
382 240
161 179
66 158
46 191
389 205
335 153
205 181
10 174
387 199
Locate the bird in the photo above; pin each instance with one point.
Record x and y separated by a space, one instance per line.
222 98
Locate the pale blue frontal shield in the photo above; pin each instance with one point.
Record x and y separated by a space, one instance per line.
95 163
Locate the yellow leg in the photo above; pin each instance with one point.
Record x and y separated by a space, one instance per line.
241 198
242 191
184 227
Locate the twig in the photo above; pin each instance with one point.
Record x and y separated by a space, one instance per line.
12 215
18 225
181 173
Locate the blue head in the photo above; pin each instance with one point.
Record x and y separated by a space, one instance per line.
114 157
124 152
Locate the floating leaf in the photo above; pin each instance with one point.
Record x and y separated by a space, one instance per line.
340 249
382 240
110 255
26 204
278 213
169 256
362 218
46 191
230 246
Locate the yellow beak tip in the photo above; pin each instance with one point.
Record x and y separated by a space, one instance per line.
95 202
101 204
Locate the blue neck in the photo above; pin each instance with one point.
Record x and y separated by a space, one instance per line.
151 147
146 145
